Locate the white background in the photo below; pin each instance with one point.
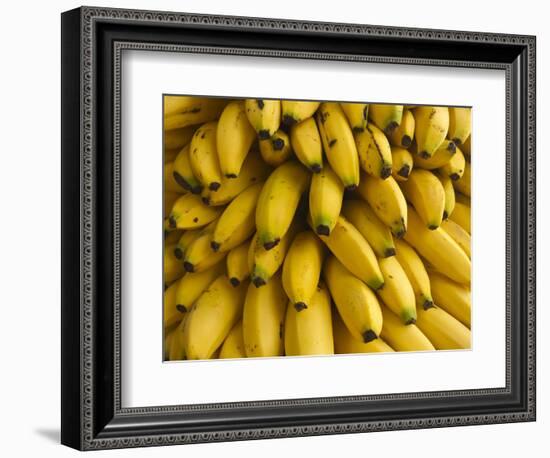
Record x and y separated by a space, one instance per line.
30 241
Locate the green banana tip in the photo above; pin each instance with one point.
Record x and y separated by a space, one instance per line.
369 336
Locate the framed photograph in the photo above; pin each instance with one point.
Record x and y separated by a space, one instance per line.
276 228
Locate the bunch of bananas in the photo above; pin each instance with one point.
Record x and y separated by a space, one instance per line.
314 228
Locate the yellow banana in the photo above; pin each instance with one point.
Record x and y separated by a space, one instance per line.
403 337
189 212
431 127
386 117
464 182
338 143
176 139
302 269
416 273
276 150
403 135
264 116
193 284
168 335
354 252
357 115
233 345
462 216
238 221
356 303
325 200
188 111
170 184
361 215
171 316
458 234
460 124
187 237
455 167
294 111
397 293
402 163
199 255
449 189
173 269
386 199
451 297
234 138
169 200
212 317
309 331
345 343
183 172
306 143
443 331
374 151
463 199
466 147
425 192
278 201
263 318
440 157
176 351
203 156
439 249
237 264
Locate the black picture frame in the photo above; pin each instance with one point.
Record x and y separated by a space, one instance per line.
92 39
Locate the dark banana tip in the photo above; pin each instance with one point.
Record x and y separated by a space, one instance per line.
369 336
260 104
385 172
299 306
389 252
196 189
181 181
181 308
269 245
214 245
427 304
404 171
214 186
231 175
188 266
391 127
178 253
351 187
445 214
411 321
457 141
234 281
424 155
258 282
288 120
323 229
454 176
406 141
432 227
172 222
358 129
206 200
452 147
278 144
316 168
264 134
401 233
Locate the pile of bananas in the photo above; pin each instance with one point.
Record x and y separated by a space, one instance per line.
314 228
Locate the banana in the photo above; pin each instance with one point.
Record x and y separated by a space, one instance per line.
416 273
169 200
189 212
338 143
402 163
464 182
450 198
176 139
192 285
458 234
425 192
431 127
439 249
451 297
253 170
357 115
183 172
386 117
176 351
212 317
302 269
386 199
309 331
462 216
237 222
172 266
234 137
356 303
192 110
463 199
460 124
199 255
263 318
374 151
441 156
237 264
403 337
354 252
294 111
345 343
276 150
306 143
455 167
397 293
203 156
376 233
404 134
278 201
326 193
168 335
233 345
171 316
170 184
187 238
264 116
443 331
466 147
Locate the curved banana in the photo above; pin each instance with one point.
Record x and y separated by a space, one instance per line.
264 116
425 192
306 143
189 212
193 284
338 143
309 331
199 255
458 234
187 238
176 139
278 201
212 317
237 264
361 215
402 163
294 111
176 349
171 315
463 184
449 189
354 252
263 318
386 199
345 343
440 157
386 117
462 216
188 111
403 135
233 345
455 167
357 115
234 138
439 249
169 200
403 337
170 184
302 269
168 336
374 151
431 127
173 269
466 147
183 172
451 297
460 124
356 303
276 150
443 331
203 156
326 193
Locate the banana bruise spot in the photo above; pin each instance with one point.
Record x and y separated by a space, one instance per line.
258 282
316 168
272 244
215 246
214 186
391 127
288 120
369 336
278 144
263 134
234 281
332 142
299 306
188 266
178 253
427 304
406 141
404 171
389 252
323 229
260 104
181 308
195 219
